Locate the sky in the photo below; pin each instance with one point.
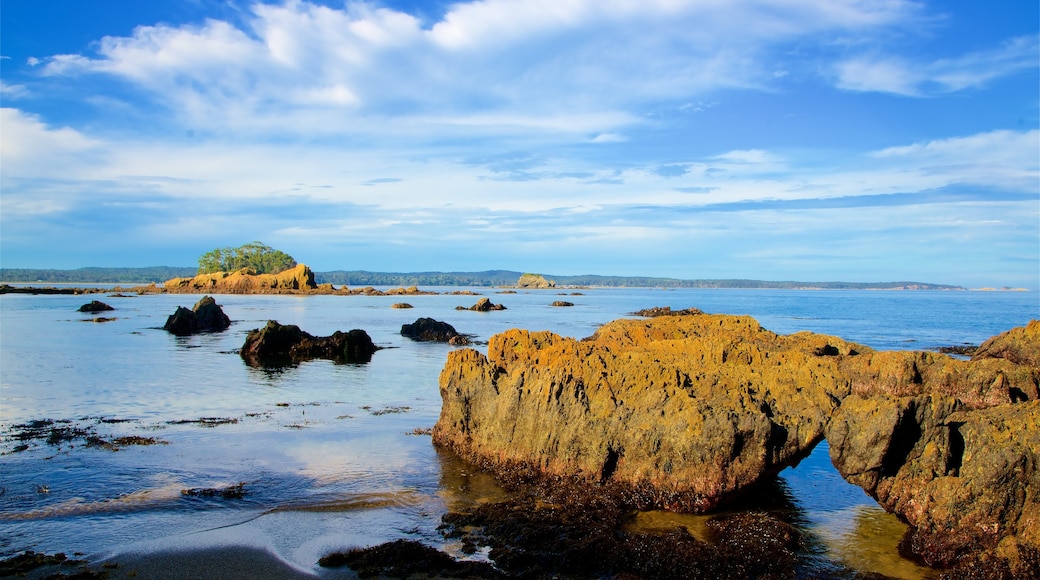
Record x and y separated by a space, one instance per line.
808 140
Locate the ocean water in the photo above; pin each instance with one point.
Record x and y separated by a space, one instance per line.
332 456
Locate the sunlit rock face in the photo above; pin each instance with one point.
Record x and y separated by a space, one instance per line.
245 281
951 446
686 410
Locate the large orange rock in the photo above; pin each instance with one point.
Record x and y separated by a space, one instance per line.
951 446
246 281
688 410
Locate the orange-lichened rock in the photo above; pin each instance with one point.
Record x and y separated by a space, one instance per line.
245 281
687 411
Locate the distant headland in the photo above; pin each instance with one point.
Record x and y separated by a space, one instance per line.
488 278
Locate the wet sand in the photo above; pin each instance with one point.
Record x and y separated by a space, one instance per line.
226 563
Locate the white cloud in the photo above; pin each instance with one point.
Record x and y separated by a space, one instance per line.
9 91
27 139
916 78
364 70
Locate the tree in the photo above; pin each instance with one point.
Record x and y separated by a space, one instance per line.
262 259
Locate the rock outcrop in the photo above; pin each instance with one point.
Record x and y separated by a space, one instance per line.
246 281
95 306
1018 345
686 410
483 305
534 281
951 446
428 329
205 316
276 344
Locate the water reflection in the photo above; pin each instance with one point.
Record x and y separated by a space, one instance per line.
866 538
462 485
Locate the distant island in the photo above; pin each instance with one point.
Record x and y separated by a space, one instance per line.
488 278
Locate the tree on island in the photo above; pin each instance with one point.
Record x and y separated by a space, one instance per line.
260 258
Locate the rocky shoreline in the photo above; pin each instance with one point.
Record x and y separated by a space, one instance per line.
686 412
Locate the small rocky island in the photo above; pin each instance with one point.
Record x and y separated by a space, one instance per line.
687 411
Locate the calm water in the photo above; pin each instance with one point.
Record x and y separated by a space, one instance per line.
326 452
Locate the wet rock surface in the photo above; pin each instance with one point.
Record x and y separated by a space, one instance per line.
684 412
278 344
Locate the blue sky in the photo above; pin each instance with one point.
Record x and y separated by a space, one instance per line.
814 140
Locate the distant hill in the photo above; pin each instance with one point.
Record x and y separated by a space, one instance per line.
509 278
160 274
157 274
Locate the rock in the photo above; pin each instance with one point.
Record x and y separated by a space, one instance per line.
401 305
951 446
534 281
280 344
95 306
665 311
428 329
1019 345
483 305
206 316
245 281
562 303
685 410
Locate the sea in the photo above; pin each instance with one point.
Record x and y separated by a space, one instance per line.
117 437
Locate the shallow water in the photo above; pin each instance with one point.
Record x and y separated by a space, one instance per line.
332 456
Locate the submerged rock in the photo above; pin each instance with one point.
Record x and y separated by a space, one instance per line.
688 410
428 329
95 306
286 343
205 316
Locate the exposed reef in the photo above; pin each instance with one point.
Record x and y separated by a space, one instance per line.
687 411
279 344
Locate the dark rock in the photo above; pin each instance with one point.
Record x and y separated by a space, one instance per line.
428 329
286 344
406 559
206 316
666 311
95 306
561 528
562 303
482 305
